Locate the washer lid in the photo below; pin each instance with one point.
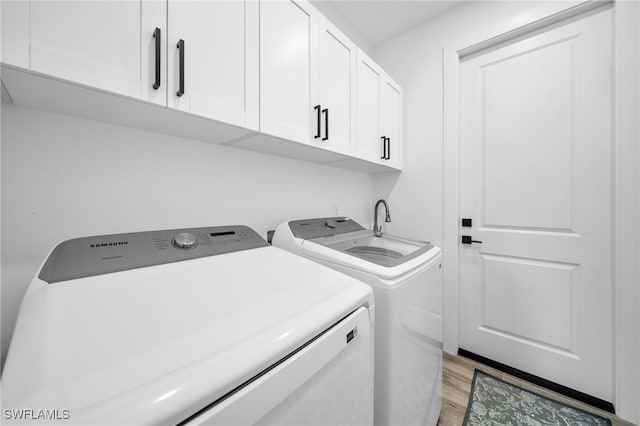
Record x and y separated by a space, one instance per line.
156 344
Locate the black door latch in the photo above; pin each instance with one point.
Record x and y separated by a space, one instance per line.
467 239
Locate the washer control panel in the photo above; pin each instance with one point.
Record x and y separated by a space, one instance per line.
323 227
89 256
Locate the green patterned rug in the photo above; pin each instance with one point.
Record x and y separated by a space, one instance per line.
493 402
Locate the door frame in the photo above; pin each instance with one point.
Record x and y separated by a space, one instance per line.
625 186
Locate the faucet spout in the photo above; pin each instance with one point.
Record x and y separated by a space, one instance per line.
377 229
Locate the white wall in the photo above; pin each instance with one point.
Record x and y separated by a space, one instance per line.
627 132
64 177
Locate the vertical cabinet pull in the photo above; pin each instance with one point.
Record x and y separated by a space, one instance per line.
157 36
326 123
317 109
386 148
180 47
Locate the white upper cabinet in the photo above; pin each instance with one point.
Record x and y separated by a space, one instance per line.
288 40
131 48
270 75
337 89
379 114
307 77
217 74
103 44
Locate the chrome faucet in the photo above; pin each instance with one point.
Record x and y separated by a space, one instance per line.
377 229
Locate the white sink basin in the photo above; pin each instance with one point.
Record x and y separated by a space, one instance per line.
373 252
387 250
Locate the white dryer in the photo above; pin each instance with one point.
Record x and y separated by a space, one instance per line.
406 277
189 326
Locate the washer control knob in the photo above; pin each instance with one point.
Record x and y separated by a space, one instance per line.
330 224
185 240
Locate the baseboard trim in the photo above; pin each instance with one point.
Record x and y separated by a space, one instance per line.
571 393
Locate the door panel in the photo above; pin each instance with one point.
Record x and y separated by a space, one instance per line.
217 48
509 305
535 144
337 91
369 144
97 43
288 38
527 122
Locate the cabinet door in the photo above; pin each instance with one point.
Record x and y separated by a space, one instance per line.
369 142
337 88
103 44
288 42
220 70
391 107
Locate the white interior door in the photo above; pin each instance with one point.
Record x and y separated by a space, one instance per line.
109 45
221 59
535 167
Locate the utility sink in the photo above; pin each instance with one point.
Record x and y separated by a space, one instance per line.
386 250
373 253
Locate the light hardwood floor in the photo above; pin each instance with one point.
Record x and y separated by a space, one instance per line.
456 384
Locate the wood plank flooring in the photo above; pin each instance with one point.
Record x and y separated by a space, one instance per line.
456 384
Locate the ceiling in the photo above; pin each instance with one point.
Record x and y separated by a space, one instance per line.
380 20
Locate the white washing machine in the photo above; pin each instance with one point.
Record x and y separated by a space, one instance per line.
406 277
189 326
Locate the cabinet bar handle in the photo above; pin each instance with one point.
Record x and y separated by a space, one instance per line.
384 148
388 156
157 36
180 46
326 124
317 109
